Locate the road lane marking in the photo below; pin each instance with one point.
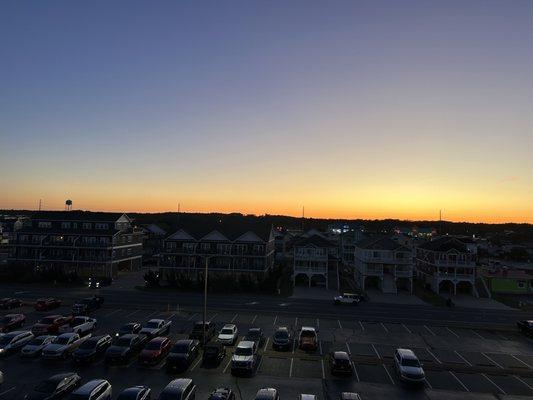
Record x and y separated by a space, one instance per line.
376 350
196 363
477 334
356 373
320 346
406 328
362 327
384 327
491 381
112 313
234 318
460 381
433 355
492 361
348 348
226 367
259 366
275 319
266 344
452 332
7 391
131 313
253 320
171 316
290 368
519 360
524 382
293 345
213 317
339 321
323 371
388 374
317 324
429 330
462 358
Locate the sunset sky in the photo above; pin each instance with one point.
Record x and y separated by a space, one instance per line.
353 109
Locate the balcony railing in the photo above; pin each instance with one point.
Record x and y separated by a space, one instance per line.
320 270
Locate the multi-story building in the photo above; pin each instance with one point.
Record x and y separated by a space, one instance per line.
315 259
89 243
230 248
347 241
383 263
446 265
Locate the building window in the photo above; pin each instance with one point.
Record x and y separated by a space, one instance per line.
45 224
101 226
206 247
188 247
87 225
65 225
521 284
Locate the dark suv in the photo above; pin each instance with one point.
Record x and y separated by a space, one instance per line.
198 331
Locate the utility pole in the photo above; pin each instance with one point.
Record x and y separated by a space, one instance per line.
205 299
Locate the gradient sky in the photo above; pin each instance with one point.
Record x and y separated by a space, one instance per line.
356 109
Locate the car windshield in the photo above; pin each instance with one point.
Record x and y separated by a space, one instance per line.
410 362
308 334
62 340
243 351
5 320
77 321
124 342
281 335
47 320
46 387
152 325
180 348
254 334
88 345
37 342
153 346
5 340
226 332
211 350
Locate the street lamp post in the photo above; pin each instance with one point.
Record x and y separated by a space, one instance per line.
205 297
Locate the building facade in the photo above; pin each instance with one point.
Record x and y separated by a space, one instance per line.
447 266
90 244
315 259
383 263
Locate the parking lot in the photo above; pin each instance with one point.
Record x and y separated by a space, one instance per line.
456 359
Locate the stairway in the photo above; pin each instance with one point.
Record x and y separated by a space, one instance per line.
482 288
388 284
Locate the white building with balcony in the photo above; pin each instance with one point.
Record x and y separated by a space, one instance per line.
313 258
447 266
383 263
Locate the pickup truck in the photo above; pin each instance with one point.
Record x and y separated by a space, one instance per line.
87 305
50 324
63 346
156 327
80 325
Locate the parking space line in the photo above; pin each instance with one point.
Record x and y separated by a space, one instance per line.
429 330
460 381
362 326
7 391
339 321
318 323
491 381
253 320
152 314
296 322
376 350
171 316
434 356
462 358
112 313
293 345
491 360
234 318
213 317
260 363
452 332
131 313
290 368
323 371
503 337
226 367
429 384
348 348
477 334
384 327
196 364
320 346
275 319
519 360
266 344
524 382
388 374
191 317
406 328
355 371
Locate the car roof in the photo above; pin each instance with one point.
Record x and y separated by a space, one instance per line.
246 344
133 391
185 341
12 334
131 324
60 377
89 386
406 353
129 336
254 329
350 396
177 385
13 315
52 316
229 326
156 320
266 393
307 396
282 328
308 328
342 355
159 339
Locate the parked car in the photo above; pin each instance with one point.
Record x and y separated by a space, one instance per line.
13 341
244 358
340 363
97 389
135 393
198 331
11 321
214 353
7 303
46 304
124 348
222 394
80 325
156 327
155 351
308 339
526 327
255 335
182 354
55 387
129 328
307 397
1 377
87 305
267 394
349 396
92 349
179 389
228 334
408 367
347 298
35 347
50 324
63 346
282 339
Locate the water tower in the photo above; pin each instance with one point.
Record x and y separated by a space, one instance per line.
68 205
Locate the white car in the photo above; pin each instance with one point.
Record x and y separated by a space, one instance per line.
408 367
347 298
63 346
156 327
228 334
80 325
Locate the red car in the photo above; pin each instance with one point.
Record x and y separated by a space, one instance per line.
155 351
47 304
9 303
11 321
50 324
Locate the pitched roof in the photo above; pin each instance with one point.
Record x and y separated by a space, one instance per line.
444 244
314 240
380 242
76 215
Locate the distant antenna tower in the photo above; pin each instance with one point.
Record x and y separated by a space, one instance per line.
40 202
440 222
68 205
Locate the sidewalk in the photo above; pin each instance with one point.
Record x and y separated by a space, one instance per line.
482 303
376 296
